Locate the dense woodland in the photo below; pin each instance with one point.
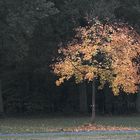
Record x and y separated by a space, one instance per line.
31 32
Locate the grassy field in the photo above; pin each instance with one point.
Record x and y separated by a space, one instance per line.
14 125
49 124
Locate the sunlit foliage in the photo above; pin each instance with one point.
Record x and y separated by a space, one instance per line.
108 51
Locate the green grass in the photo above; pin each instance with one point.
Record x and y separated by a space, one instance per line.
45 124
39 124
123 121
57 123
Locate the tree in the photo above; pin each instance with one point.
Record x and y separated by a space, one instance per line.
18 21
83 97
1 101
108 51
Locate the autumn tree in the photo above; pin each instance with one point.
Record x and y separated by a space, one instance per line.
107 51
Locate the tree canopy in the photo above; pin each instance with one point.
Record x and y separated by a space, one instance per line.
109 51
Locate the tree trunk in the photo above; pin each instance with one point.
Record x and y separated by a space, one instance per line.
1 101
83 98
93 102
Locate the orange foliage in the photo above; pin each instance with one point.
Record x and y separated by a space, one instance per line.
107 51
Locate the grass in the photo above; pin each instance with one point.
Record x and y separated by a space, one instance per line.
120 121
47 124
58 123
18 125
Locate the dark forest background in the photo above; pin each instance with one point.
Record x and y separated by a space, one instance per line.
30 34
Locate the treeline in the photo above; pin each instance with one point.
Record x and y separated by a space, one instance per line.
30 34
